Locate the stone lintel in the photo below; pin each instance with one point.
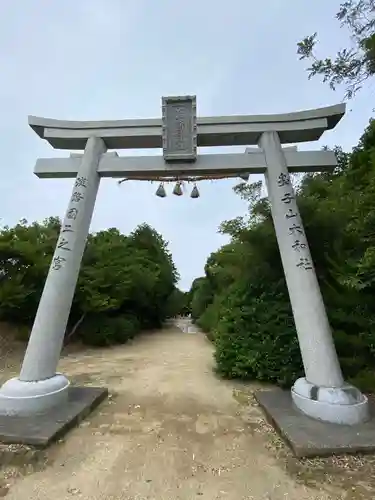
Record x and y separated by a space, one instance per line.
252 162
240 130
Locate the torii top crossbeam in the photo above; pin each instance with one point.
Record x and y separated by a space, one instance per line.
179 132
302 126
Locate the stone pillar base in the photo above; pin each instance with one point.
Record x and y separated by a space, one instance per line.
339 405
29 398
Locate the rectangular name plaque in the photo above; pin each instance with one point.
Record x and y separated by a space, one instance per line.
179 128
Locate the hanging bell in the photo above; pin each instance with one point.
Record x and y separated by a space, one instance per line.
245 177
161 191
195 192
177 189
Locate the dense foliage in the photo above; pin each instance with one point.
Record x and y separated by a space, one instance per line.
178 303
242 301
353 65
126 283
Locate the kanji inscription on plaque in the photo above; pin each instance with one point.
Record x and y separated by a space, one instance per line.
179 128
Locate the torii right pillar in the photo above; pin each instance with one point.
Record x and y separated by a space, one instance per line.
322 393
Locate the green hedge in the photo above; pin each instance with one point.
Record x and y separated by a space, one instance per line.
103 330
255 338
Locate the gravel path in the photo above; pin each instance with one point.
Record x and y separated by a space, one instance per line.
171 430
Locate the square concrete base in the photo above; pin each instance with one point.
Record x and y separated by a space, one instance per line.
312 438
41 430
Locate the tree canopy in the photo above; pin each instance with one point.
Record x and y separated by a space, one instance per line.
351 66
124 285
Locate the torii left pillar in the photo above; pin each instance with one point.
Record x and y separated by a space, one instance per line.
39 387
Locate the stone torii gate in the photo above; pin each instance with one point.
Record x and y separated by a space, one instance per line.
322 393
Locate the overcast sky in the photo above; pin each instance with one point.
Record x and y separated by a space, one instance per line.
114 59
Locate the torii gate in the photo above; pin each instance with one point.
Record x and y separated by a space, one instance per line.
322 393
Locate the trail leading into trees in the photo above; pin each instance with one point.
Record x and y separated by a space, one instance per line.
172 430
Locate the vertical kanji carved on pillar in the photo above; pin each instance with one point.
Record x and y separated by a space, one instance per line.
322 393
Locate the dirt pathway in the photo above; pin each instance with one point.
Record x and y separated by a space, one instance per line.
172 430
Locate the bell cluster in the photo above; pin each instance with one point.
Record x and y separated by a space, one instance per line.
177 190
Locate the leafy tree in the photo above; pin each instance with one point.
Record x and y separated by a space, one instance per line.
177 303
123 286
202 297
351 66
25 254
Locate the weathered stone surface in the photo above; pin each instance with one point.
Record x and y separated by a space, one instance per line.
308 437
40 430
179 128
